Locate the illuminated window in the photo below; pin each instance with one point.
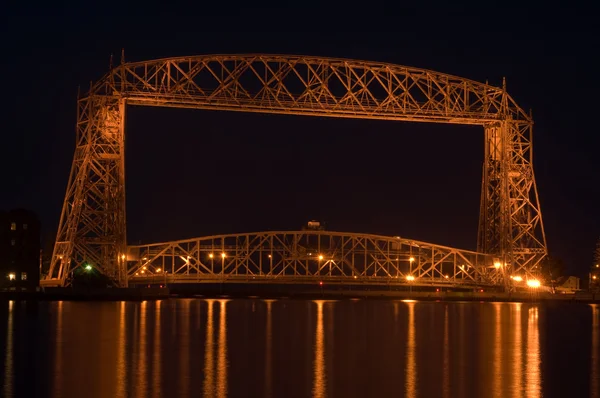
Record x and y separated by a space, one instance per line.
13 226
24 226
12 242
23 276
11 276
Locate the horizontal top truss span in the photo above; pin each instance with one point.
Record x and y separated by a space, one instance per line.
306 257
304 85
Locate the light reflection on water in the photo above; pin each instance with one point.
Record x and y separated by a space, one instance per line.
156 360
121 347
8 357
595 360
219 348
411 361
268 349
446 370
497 385
517 344
533 379
208 352
222 361
319 378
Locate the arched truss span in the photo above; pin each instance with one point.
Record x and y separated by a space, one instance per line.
308 257
92 224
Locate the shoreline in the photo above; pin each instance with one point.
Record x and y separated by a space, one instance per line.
288 292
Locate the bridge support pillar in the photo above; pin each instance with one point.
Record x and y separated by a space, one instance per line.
91 235
510 223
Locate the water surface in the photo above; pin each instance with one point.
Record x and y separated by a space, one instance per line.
297 348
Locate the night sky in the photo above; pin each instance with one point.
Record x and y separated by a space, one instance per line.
194 173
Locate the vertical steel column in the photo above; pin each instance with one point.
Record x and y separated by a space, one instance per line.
92 225
494 223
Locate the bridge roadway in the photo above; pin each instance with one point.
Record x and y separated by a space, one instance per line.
309 256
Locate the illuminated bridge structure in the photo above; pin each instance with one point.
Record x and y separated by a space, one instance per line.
309 257
92 226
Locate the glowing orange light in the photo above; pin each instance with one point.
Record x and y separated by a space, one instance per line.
534 283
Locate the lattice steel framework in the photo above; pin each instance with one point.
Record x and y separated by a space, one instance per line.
92 224
308 257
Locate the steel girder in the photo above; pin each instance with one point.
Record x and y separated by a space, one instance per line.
308 257
92 225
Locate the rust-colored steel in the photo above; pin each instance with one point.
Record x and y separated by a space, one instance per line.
309 257
92 224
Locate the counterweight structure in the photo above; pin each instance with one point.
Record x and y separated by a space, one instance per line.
92 228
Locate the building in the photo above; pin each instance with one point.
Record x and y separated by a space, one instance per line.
569 285
19 249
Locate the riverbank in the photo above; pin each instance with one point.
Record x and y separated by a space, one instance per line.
287 292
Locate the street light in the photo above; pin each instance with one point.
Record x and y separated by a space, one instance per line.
533 283
497 264
320 257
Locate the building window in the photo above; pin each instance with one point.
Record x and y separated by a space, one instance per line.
23 276
12 242
13 226
24 226
11 276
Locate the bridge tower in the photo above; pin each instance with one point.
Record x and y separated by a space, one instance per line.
92 224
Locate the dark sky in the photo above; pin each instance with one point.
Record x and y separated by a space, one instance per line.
194 173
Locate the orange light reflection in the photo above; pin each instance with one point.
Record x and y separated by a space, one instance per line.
142 387
497 383
121 361
268 352
320 380
58 368
446 374
595 360
208 352
518 351
8 359
184 353
156 360
222 355
532 371
411 361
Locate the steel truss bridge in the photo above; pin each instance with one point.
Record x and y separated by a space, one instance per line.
92 227
308 257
